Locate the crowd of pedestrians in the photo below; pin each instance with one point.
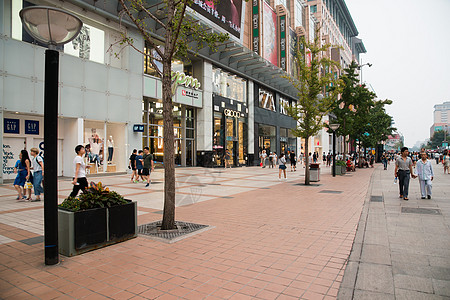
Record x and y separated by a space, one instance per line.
30 171
141 165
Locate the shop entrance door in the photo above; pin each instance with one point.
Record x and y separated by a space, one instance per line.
232 139
189 153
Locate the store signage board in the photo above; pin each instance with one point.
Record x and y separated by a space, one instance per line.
183 95
32 127
11 126
138 128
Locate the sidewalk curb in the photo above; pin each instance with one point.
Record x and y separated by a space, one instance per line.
348 284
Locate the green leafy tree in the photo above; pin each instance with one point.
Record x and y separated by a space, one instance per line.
180 33
344 108
317 88
437 139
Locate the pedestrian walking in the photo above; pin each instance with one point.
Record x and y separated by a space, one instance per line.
281 166
38 172
227 157
271 162
384 160
22 169
446 161
424 170
132 166
148 165
263 157
328 159
293 160
139 166
79 167
315 157
403 170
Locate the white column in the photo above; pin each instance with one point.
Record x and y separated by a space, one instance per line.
251 118
205 115
80 131
105 157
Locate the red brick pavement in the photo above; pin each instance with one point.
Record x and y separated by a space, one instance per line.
286 242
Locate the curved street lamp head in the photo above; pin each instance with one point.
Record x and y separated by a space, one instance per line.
334 127
366 64
319 96
50 25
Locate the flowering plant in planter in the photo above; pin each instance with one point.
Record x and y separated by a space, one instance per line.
96 196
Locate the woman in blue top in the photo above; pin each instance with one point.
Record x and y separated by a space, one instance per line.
22 168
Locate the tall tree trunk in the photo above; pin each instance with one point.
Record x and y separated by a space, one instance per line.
169 158
307 161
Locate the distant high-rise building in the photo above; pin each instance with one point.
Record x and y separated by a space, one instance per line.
440 118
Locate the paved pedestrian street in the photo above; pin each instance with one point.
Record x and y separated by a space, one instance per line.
268 239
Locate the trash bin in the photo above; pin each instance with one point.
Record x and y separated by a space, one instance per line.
314 172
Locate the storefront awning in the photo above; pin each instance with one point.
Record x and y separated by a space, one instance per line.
247 63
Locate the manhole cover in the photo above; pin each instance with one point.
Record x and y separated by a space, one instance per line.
184 229
423 211
330 192
376 198
265 188
33 240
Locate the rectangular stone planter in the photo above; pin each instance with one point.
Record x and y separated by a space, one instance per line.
343 170
83 231
338 170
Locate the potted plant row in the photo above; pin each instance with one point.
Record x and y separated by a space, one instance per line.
96 218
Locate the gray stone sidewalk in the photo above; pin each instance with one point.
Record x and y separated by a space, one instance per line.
402 248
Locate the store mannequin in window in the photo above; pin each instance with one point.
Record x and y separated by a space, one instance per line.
110 144
96 144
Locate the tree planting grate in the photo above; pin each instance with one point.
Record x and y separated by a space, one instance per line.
376 198
330 192
214 184
158 212
227 197
311 184
423 211
33 240
184 230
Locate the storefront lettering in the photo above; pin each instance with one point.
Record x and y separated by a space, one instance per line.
283 104
8 155
188 93
283 42
179 78
266 100
11 125
232 113
31 127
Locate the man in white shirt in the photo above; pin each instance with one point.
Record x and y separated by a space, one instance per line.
79 167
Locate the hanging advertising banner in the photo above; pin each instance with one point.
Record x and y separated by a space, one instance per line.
270 35
283 42
292 53
224 13
255 26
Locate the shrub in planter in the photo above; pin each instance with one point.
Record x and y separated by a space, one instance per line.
97 218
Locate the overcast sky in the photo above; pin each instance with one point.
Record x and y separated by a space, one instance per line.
408 43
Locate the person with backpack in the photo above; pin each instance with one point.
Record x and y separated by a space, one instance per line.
38 172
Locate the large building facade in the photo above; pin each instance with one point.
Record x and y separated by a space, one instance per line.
441 118
110 97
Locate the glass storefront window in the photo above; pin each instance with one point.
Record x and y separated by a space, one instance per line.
218 139
183 119
229 85
267 138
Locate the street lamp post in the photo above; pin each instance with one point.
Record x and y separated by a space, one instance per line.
360 69
334 127
53 27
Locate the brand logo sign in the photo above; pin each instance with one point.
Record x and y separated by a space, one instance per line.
232 113
11 125
31 127
266 100
138 128
283 104
188 93
283 42
179 78
255 25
